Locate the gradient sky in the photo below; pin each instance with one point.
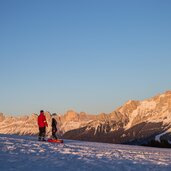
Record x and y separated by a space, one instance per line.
85 55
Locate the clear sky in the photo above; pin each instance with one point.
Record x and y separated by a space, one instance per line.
85 55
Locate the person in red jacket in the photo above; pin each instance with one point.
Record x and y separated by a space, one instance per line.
42 123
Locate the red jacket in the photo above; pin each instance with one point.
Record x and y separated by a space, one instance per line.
42 120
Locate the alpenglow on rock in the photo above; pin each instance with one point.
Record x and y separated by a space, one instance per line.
136 122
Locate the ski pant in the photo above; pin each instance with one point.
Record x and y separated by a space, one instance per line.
54 134
42 131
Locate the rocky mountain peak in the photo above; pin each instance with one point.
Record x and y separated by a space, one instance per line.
128 107
168 92
71 116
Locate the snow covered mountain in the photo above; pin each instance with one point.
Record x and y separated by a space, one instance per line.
27 125
136 122
18 153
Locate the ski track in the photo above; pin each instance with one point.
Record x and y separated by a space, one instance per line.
19 153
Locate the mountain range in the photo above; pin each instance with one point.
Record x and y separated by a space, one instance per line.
136 122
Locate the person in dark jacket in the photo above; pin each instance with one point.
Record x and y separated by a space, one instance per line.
54 128
42 123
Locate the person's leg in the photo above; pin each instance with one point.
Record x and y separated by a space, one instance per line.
40 134
54 134
43 133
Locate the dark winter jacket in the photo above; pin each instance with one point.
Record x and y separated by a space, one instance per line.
54 125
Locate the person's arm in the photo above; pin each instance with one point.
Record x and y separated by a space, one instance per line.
45 122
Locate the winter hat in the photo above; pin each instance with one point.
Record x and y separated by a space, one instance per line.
41 111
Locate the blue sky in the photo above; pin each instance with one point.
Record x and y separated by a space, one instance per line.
85 55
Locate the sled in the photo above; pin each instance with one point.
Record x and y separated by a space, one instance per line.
55 141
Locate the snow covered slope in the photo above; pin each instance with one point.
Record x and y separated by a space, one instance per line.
21 153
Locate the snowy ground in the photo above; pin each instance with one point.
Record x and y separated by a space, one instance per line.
18 153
